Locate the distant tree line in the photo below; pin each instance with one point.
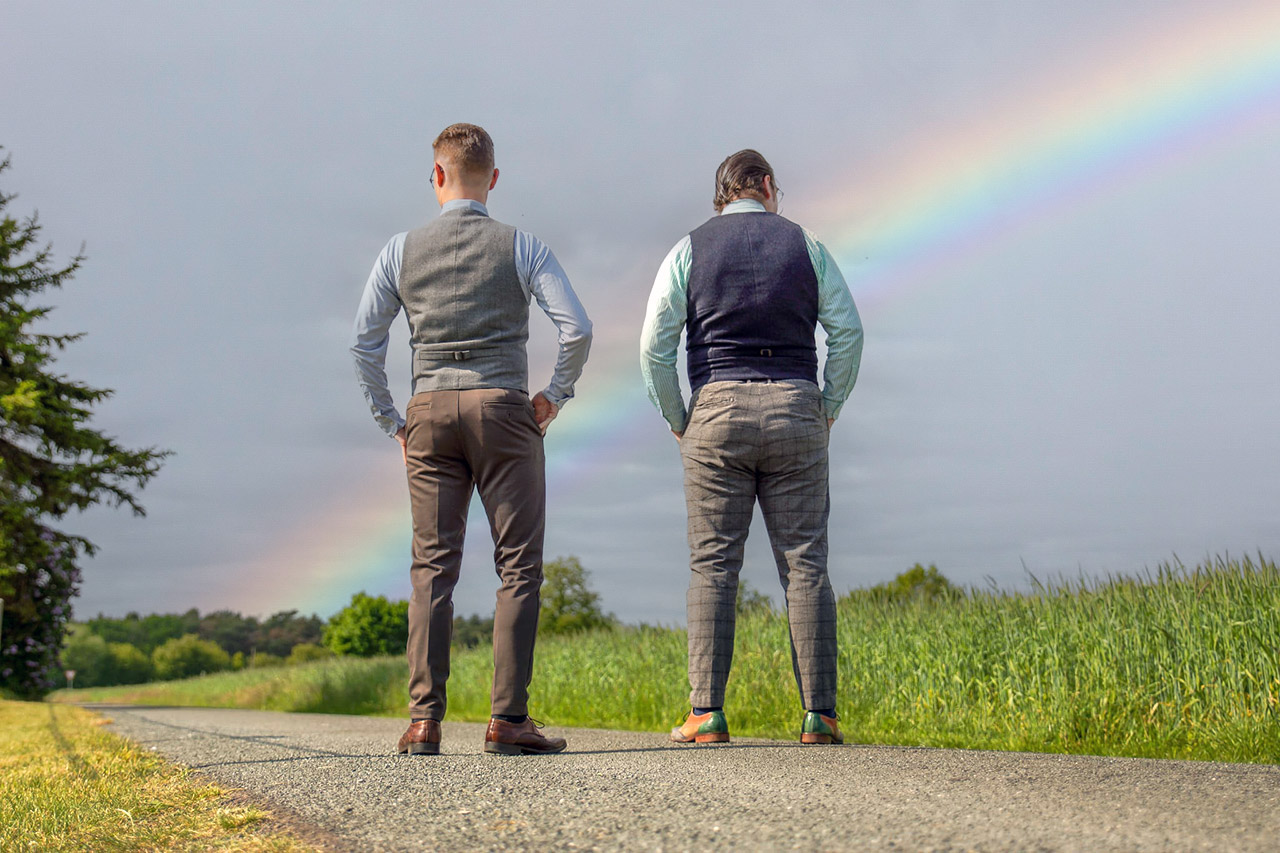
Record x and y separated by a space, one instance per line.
133 649
129 650
275 635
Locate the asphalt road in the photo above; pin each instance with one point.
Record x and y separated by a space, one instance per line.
636 791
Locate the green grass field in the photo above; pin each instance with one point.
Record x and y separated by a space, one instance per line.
65 784
1184 663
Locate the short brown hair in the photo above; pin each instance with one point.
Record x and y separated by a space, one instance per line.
467 146
742 174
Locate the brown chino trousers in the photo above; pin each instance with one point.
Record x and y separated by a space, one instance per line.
486 439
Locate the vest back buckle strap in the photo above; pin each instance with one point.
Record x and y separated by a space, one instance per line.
767 353
462 355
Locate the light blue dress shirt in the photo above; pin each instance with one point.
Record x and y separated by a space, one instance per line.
541 277
669 308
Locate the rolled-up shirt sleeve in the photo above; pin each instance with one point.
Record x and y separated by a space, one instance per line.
541 274
838 316
664 321
379 305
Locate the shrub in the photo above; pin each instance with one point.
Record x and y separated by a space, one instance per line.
129 664
369 626
98 663
915 584
188 655
751 600
89 656
305 652
568 604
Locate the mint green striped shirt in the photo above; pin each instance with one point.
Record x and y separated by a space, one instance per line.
668 310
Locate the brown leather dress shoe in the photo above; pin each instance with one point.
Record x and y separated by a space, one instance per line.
422 738
524 738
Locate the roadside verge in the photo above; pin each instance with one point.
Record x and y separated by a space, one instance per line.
66 784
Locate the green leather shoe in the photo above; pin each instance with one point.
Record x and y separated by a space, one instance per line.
818 728
710 727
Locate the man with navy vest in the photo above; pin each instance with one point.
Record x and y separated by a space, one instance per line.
750 287
465 282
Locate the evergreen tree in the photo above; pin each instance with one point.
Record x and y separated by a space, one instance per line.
51 462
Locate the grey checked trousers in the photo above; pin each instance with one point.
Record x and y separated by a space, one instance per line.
767 441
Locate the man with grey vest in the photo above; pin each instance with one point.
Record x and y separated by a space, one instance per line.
750 287
465 282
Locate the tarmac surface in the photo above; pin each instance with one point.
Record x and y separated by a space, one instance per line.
339 776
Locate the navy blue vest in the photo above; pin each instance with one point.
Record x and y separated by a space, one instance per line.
753 301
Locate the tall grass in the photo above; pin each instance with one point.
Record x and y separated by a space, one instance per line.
1178 663
1175 664
343 685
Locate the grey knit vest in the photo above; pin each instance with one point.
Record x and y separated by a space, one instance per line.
468 314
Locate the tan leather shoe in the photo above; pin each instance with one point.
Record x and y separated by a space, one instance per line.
505 738
422 738
710 727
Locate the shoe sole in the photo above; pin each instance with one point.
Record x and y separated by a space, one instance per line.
494 748
813 739
422 749
716 737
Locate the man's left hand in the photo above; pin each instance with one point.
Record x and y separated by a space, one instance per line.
544 411
402 436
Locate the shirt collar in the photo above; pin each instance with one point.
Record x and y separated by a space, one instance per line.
743 205
464 204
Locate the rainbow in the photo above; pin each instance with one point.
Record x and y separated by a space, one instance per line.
1168 101
1156 104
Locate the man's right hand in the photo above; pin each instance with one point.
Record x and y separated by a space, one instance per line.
403 438
544 411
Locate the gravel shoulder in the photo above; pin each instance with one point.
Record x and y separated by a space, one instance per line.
635 790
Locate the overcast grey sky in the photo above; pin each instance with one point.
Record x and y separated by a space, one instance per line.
1070 357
